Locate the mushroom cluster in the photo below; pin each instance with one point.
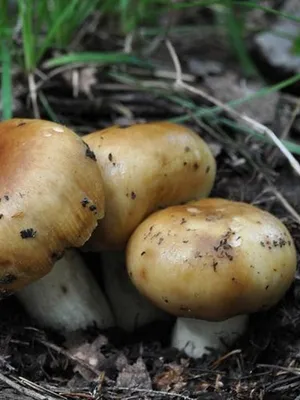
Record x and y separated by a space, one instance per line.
138 196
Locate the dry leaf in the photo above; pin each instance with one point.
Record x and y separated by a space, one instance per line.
134 376
172 378
91 354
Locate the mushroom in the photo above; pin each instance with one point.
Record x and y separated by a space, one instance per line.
144 167
211 263
70 295
51 199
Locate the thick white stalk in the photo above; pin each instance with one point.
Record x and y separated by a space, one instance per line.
68 298
130 308
197 337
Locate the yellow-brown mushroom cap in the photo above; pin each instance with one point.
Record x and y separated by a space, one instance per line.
146 167
212 259
51 198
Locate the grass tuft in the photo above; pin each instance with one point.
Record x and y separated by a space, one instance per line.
5 57
6 81
97 57
48 25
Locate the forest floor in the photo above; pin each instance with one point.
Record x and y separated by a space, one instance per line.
265 362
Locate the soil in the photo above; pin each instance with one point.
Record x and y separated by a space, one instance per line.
264 363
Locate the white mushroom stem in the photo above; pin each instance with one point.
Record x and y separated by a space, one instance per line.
130 308
68 298
198 337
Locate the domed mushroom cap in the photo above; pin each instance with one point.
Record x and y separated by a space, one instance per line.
51 198
212 259
146 167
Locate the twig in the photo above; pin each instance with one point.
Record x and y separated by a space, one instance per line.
57 71
33 95
6 364
128 43
165 74
26 392
65 353
39 388
292 120
294 371
88 26
75 82
230 111
286 130
285 203
155 392
76 396
283 384
217 362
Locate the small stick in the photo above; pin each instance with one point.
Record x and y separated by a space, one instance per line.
151 393
33 95
65 353
26 392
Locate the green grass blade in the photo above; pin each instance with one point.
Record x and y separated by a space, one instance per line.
235 29
6 82
5 59
180 100
50 112
95 57
123 7
84 10
53 32
196 3
4 18
64 19
72 17
204 112
291 146
26 11
43 17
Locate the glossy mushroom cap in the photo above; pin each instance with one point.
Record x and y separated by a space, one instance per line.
212 259
51 198
146 167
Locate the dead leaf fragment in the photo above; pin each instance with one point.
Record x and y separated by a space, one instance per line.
134 376
91 354
171 378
